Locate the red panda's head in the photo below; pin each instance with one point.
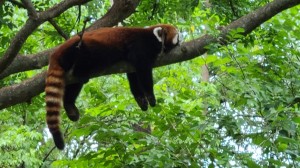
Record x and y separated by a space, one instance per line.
167 35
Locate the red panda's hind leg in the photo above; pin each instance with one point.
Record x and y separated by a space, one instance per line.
137 90
71 93
144 75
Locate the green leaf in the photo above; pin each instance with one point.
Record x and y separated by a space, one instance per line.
252 164
296 120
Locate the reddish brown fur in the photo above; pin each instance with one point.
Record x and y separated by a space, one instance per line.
101 48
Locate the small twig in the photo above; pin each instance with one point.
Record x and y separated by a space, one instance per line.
236 61
87 19
79 14
47 155
233 9
58 29
80 145
78 17
154 8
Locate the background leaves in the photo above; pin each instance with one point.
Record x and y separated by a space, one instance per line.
247 115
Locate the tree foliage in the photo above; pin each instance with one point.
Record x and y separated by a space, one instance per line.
245 115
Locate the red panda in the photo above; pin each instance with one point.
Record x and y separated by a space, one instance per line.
100 49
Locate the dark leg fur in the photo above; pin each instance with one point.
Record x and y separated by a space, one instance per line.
141 85
146 81
71 93
137 91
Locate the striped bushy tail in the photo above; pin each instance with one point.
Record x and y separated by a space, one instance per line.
54 89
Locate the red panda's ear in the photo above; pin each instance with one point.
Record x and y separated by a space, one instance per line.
158 32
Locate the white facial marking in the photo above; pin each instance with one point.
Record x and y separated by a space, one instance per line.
155 32
175 39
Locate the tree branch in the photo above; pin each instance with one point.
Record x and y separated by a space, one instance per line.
120 10
31 24
58 29
39 60
30 62
28 89
189 50
30 8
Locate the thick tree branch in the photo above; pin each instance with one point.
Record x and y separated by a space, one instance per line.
31 24
111 18
120 10
29 62
248 22
187 51
30 8
11 95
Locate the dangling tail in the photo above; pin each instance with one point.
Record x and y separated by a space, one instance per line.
54 89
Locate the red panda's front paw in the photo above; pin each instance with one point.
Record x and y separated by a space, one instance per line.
142 102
